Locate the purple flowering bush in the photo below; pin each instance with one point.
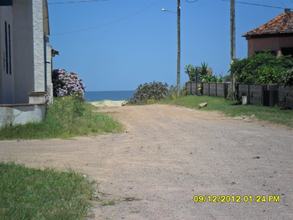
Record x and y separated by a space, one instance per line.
149 92
67 84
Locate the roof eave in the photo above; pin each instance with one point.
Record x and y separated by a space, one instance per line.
267 35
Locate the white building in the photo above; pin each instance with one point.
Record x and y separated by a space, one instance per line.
25 56
25 52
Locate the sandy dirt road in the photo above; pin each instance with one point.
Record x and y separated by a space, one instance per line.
169 154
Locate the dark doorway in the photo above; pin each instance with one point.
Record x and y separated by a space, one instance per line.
287 51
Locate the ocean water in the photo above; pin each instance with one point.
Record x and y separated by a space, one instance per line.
108 95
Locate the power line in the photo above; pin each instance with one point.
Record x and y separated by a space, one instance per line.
141 11
257 4
75 2
90 1
247 3
191 1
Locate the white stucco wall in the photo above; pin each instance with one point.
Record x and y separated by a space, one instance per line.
21 114
28 48
29 67
23 50
38 45
49 71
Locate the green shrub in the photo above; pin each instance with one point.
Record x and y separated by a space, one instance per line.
202 73
149 91
287 78
206 70
199 72
263 68
212 79
192 72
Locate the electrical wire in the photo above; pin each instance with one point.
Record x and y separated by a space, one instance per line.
74 2
191 1
142 10
256 4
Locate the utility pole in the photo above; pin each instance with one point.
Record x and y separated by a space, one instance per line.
178 45
233 44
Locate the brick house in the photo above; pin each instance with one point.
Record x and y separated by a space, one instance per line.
276 36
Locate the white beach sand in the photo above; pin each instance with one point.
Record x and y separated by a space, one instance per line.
109 103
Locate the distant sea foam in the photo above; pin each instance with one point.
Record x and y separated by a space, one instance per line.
108 95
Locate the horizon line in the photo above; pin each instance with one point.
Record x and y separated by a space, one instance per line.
109 90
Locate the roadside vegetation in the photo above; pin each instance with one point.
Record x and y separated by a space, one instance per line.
67 84
264 69
149 93
67 117
271 114
42 194
203 73
259 69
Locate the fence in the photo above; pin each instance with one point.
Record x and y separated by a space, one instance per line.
215 89
267 95
194 88
285 96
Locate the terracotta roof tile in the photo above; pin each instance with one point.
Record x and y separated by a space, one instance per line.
282 24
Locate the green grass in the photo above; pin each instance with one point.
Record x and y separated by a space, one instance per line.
67 117
275 115
32 194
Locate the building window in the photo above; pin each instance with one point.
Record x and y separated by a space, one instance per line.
8 55
6 47
9 47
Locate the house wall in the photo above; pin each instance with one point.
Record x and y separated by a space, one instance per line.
21 114
23 50
49 85
28 51
38 45
268 44
6 56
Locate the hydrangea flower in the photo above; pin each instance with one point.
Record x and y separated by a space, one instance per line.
67 84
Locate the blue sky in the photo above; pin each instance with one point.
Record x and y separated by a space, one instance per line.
118 44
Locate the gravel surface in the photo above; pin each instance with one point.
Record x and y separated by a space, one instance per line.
169 154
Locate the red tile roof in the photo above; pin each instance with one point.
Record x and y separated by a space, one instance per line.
282 24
